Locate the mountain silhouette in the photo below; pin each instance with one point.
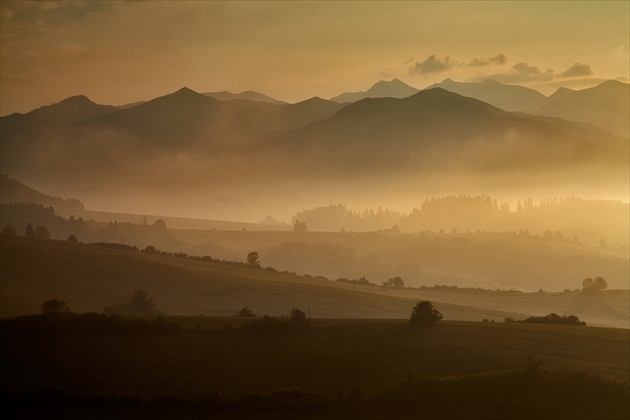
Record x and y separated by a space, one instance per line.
247 95
243 148
605 105
383 89
506 97
437 130
71 110
186 118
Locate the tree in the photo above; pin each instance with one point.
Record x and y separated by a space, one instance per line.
424 313
600 283
159 224
142 303
396 282
300 226
73 238
150 249
41 232
54 307
253 259
139 304
298 318
245 312
29 232
587 285
9 230
593 286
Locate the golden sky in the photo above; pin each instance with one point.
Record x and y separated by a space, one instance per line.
121 52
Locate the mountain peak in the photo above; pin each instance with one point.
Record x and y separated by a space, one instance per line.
185 91
77 99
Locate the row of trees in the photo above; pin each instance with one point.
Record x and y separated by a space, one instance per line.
40 232
558 219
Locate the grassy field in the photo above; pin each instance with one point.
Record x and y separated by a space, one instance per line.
90 277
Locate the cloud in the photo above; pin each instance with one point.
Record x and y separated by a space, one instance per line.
432 65
578 70
482 62
521 73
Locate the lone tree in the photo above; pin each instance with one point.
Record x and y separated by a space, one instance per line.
54 307
253 259
424 313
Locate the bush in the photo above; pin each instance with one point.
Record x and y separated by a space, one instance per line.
554 318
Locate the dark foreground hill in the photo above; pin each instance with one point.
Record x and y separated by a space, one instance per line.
91 277
366 370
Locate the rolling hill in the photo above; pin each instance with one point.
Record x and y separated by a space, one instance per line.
90 277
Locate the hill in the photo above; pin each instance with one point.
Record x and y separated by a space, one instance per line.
90 277
13 191
382 89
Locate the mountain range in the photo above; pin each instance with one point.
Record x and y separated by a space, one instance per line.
226 150
605 105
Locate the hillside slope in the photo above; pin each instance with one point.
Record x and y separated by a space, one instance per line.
90 277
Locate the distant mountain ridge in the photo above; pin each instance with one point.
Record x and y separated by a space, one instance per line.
507 97
606 106
71 110
395 88
247 95
436 131
240 150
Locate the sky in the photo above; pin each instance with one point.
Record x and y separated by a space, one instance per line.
122 52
